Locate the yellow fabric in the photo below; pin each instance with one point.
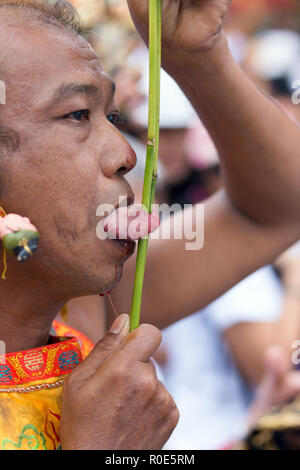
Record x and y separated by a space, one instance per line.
29 419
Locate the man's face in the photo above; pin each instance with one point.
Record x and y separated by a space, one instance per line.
71 157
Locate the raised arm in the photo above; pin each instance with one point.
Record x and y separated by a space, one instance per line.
258 215
258 144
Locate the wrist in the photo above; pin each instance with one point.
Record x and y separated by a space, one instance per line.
179 62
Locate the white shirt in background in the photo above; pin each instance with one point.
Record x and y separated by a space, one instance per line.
211 395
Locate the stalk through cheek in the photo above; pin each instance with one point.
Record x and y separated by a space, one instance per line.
152 150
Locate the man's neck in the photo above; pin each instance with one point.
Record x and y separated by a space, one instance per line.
27 310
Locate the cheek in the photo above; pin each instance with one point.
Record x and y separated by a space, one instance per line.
52 189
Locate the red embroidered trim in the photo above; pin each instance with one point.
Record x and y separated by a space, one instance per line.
41 363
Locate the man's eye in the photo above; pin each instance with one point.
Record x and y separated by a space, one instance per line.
82 115
114 118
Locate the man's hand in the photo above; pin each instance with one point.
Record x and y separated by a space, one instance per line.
114 400
187 25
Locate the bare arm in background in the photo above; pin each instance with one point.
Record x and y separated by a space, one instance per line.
258 215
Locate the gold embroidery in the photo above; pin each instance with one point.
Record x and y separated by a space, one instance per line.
14 361
50 360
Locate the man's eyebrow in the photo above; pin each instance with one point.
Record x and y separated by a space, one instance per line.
69 90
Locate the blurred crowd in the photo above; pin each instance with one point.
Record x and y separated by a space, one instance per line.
217 362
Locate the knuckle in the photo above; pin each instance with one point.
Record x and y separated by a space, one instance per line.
163 395
126 378
71 383
148 384
105 345
71 393
121 374
173 418
175 414
167 404
74 388
143 385
151 330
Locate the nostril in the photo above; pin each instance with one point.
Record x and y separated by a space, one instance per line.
121 171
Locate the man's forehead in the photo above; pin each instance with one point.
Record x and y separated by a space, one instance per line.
21 35
48 62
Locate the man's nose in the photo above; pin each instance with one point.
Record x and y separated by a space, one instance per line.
120 158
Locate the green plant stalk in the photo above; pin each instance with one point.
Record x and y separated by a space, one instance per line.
154 170
152 151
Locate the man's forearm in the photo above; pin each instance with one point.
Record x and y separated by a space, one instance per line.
258 144
259 148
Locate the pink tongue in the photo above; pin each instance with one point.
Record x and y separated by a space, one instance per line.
130 223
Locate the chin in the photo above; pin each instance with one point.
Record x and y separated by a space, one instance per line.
118 271
118 276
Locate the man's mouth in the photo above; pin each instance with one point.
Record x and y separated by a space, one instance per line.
130 223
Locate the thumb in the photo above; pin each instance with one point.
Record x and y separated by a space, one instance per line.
102 350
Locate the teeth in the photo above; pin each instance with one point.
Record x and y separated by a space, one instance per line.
130 223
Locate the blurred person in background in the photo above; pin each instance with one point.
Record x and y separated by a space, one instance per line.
273 420
272 61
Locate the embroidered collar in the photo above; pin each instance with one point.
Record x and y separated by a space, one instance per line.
46 362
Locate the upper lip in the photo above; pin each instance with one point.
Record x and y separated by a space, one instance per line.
130 202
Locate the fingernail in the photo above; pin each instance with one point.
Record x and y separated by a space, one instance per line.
120 324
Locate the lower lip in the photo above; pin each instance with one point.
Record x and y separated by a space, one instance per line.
128 246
